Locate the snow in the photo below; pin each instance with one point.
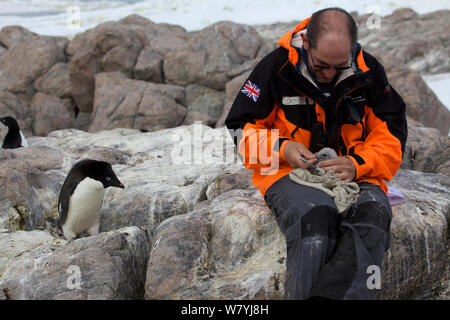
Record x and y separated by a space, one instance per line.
67 18
440 84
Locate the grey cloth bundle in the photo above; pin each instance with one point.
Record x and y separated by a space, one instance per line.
343 193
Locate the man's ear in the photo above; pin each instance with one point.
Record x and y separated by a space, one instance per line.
305 40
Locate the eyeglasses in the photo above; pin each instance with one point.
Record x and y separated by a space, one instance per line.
321 67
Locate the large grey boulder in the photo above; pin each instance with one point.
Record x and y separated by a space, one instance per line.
11 34
27 60
56 82
426 150
27 195
109 266
133 45
211 55
51 113
203 104
125 103
11 105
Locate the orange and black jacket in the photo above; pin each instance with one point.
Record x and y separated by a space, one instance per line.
363 118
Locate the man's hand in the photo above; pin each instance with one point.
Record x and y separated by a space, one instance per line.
293 150
342 166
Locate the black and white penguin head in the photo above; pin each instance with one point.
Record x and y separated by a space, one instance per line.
10 122
14 137
98 170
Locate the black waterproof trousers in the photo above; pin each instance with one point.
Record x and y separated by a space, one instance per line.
327 256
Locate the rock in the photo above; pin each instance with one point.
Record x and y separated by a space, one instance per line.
11 105
56 82
162 175
27 195
205 101
421 102
229 181
232 89
83 121
2 50
109 266
213 237
82 70
11 34
427 151
51 113
26 61
427 54
221 252
125 103
160 37
134 46
19 243
149 66
414 262
232 248
197 116
210 54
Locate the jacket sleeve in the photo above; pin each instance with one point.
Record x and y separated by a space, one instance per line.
250 122
380 155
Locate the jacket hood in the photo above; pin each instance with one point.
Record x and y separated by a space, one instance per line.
292 38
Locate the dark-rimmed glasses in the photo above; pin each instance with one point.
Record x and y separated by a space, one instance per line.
321 67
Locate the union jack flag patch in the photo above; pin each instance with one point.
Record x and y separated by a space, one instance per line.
251 90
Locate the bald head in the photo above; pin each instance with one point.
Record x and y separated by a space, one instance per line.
332 22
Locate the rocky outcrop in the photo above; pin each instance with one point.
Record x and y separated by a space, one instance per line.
208 62
109 266
212 236
133 46
231 247
189 223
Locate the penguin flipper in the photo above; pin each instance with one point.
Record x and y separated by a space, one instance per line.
67 190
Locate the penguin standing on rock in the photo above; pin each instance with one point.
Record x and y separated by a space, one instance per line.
14 138
81 197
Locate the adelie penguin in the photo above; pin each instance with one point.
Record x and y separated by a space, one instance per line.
14 138
81 197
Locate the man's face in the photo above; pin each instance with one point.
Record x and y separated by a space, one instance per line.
332 51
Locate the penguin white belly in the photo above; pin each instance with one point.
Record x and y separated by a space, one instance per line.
24 141
84 206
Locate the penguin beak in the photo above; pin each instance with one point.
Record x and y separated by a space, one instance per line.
121 186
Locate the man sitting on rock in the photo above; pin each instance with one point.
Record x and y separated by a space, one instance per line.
320 89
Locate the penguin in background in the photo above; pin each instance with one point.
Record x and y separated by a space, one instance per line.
14 138
81 197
